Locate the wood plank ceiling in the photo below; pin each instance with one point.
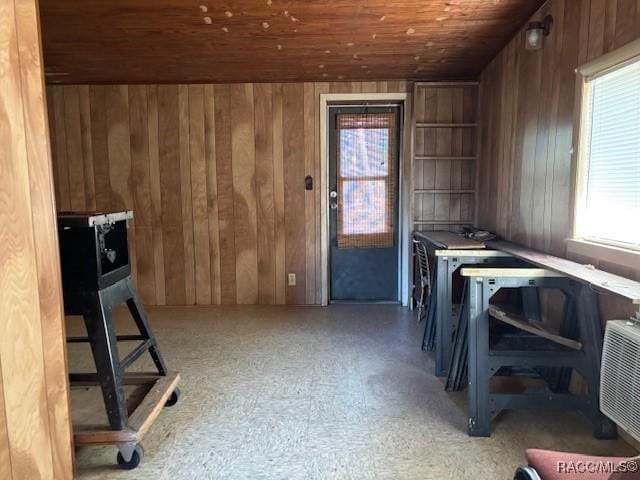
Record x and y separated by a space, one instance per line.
170 41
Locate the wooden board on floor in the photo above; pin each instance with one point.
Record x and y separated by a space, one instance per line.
450 240
615 284
146 396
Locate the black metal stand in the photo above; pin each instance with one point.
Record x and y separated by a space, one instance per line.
486 358
440 327
96 307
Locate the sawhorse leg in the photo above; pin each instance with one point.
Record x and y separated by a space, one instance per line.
591 335
444 326
479 374
458 358
559 378
429 327
530 303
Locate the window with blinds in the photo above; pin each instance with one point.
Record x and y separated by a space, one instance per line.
609 207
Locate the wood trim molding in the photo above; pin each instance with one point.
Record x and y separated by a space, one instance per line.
607 253
405 178
586 73
611 60
579 164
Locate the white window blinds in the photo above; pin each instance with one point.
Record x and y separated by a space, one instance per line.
610 211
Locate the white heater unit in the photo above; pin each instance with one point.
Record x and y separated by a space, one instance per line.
620 375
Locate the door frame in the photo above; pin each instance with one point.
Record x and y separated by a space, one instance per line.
404 175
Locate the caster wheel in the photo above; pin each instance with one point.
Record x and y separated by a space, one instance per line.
136 458
173 399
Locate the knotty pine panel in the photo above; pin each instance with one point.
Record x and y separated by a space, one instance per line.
215 176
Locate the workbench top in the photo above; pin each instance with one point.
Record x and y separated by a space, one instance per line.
449 240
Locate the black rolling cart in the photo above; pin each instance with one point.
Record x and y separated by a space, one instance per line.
96 278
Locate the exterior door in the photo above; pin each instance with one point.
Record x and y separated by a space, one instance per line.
364 145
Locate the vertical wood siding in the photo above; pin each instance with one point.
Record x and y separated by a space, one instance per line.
215 176
528 100
528 103
35 430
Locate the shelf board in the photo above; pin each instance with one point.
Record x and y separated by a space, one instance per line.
445 125
436 157
443 222
443 191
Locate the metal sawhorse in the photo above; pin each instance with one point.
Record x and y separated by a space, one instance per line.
441 308
486 358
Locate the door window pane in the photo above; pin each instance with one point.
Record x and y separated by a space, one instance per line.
367 160
365 153
368 209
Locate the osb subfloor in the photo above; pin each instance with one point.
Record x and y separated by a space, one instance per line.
318 393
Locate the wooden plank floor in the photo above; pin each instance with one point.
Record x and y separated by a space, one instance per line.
342 392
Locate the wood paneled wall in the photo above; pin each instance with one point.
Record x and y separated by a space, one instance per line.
528 100
528 103
215 176
445 155
35 430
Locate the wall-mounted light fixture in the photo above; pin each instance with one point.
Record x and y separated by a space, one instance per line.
536 31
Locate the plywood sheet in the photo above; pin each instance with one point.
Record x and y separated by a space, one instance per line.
450 240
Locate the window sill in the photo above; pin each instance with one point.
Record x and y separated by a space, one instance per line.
606 253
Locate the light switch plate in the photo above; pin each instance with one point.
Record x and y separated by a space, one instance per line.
292 279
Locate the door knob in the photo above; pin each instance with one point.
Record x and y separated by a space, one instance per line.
333 200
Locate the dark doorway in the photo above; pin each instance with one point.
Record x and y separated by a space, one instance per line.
364 146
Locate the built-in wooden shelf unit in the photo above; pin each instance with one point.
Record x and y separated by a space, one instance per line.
445 148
